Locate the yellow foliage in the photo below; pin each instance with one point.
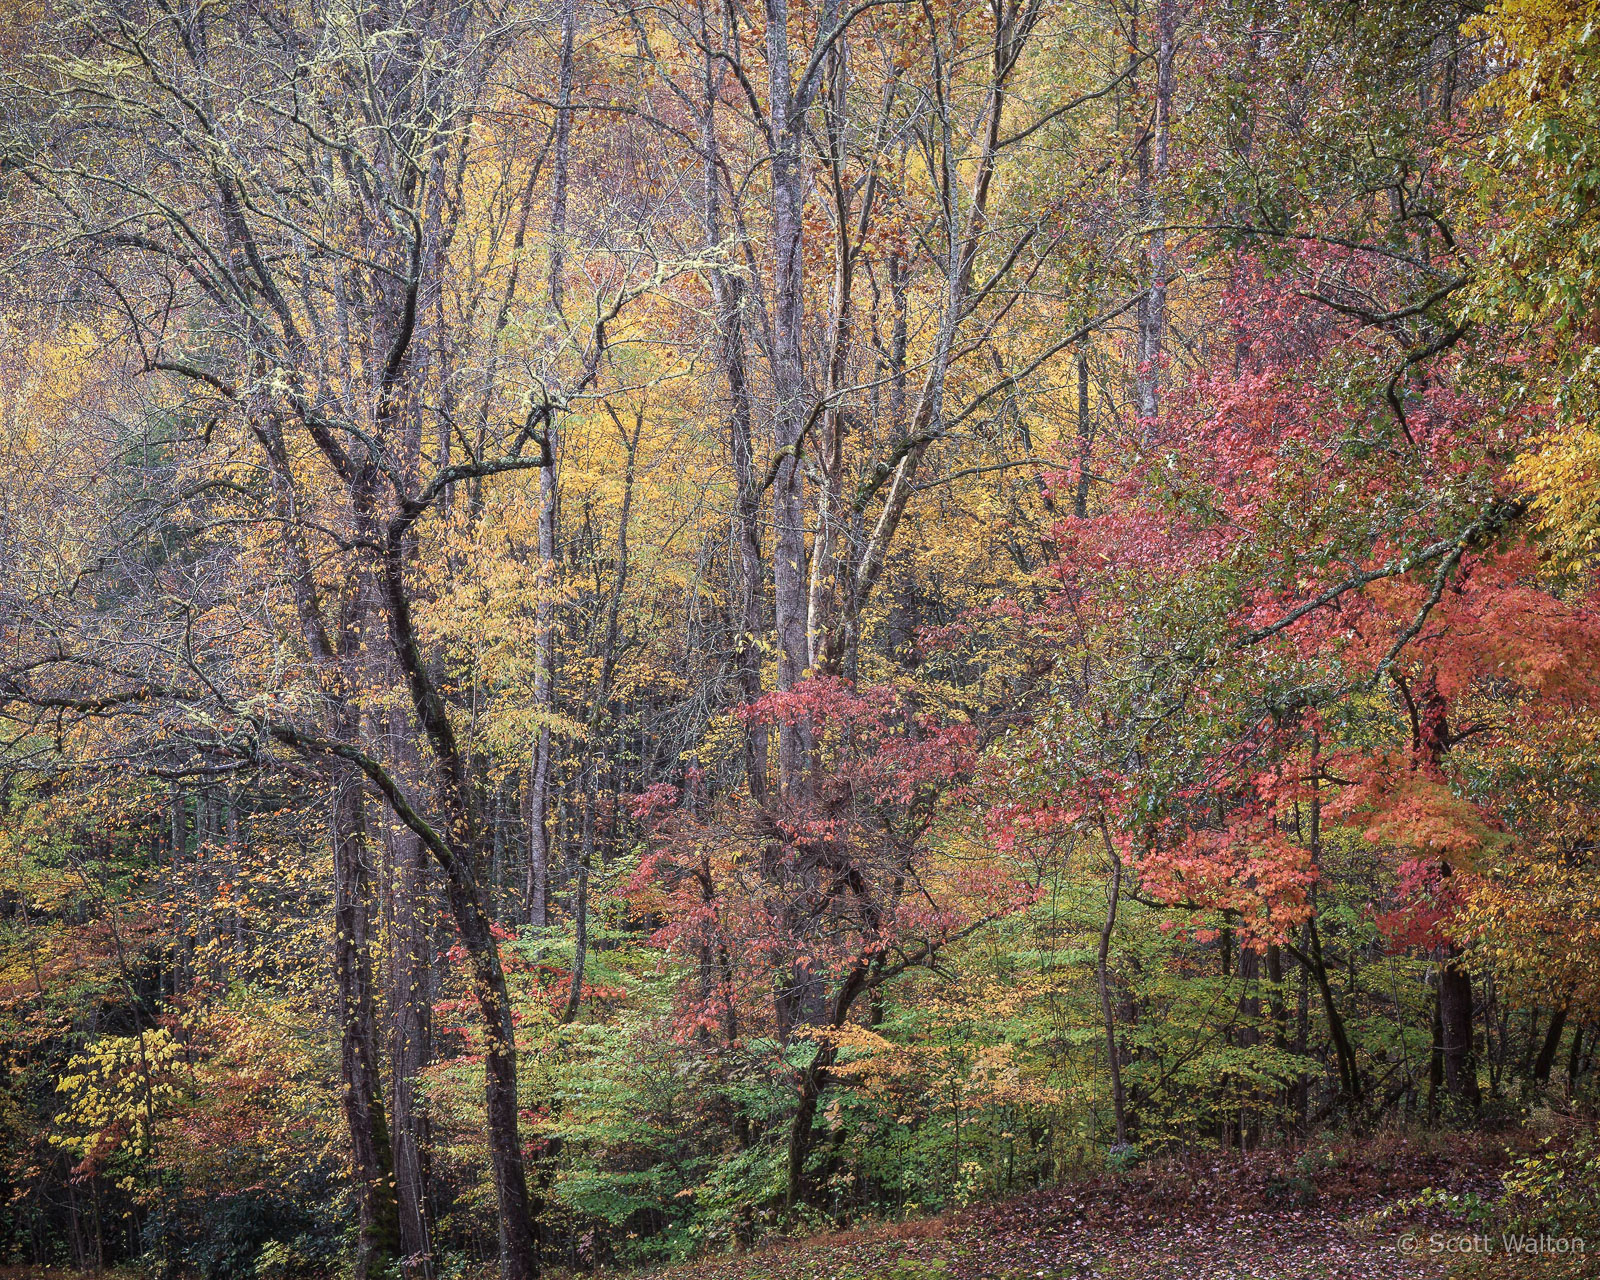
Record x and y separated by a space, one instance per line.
113 1090
1562 474
1539 173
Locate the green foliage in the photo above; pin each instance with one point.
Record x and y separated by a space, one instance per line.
1556 1189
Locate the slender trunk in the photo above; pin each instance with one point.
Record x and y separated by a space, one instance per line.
1435 1062
1080 497
750 615
1530 1043
1275 1010
519 1257
1349 1072
1119 1102
544 660
236 866
544 695
1302 1029
412 1047
560 173
538 806
1154 164
1550 1047
1249 972
180 862
599 711
1344 1053
1249 1029
728 301
1496 1035
1277 1014
580 901
899 341
813 1076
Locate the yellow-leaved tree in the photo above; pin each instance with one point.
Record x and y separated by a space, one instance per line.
1539 176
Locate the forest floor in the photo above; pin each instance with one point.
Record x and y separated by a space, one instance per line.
1344 1215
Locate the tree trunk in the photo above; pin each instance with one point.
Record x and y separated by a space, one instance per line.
1080 496
580 901
538 886
599 717
544 674
460 852
1550 1047
519 1258
1153 170
1119 1102
812 1078
831 559
1455 1025
802 1122
1275 1009
787 124
1435 1062
412 1047
1349 1073
377 1216
728 299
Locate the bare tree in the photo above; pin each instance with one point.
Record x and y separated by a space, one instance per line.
270 203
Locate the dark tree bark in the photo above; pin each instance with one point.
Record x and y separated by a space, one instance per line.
1431 742
378 1238
1119 1102
1551 1046
728 301
459 849
787 106
1310 957
1455 1026
412 1047
1080 495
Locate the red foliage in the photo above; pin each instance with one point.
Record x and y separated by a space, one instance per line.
1290 466
813 889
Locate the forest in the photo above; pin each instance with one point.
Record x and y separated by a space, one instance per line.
826 639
